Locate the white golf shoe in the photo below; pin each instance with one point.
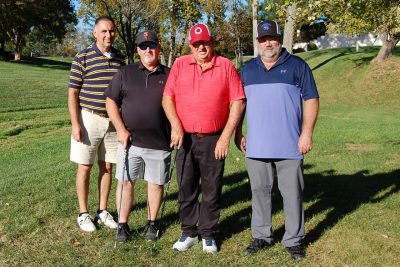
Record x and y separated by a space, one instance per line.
209 246
106 218
185 242
85 223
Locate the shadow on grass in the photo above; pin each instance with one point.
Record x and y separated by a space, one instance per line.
340 194
328 60
45 63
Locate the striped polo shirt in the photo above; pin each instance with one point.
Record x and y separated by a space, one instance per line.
274 105
91 72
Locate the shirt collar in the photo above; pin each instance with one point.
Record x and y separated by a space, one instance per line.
112 51
159 67
282 58
215 62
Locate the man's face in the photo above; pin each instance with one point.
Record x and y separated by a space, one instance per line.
202 51
269 47
104 32
149 52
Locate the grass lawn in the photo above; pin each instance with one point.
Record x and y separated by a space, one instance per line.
352 177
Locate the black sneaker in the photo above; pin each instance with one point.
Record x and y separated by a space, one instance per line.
123 232
297 252
256 245
151 231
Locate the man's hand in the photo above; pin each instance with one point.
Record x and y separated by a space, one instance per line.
76 132
221 148
240 142
176 136
124 137
305 143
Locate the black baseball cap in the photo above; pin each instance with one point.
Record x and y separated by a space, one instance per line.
146 36
268 28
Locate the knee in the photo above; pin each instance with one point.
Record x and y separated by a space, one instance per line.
105 167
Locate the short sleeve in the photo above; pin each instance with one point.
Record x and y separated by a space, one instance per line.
307 83
169 89
114 88
76 74
236 91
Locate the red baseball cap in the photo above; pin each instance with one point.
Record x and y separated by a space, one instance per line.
199 32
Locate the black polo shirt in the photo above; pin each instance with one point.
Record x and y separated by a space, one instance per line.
138 92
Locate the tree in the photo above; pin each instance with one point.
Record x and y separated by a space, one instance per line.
175 20
350 17
290 27
130 17
49 18
255 17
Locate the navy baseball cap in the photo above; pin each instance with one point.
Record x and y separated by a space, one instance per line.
147 36
268 28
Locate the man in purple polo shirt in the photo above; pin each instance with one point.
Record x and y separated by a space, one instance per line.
279 133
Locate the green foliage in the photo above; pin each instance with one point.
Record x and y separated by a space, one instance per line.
312 46
48 19
348 16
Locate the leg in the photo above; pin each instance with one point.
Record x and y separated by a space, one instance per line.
261 174
291 185
82 186
188 182
104 183
211 171
155 197
127 199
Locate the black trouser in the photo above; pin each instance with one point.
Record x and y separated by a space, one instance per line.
196 162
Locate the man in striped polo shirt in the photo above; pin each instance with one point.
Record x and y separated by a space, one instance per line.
92 132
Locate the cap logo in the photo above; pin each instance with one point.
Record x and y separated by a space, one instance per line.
198 30
146 35
265 26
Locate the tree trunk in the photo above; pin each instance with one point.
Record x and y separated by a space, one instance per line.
387 49
1 46
18 44
290 27
255 17
17 56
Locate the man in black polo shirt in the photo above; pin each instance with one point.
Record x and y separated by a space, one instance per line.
134 105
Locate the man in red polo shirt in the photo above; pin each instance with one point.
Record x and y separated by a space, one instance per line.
203 100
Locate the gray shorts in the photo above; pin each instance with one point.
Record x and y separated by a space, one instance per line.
143 163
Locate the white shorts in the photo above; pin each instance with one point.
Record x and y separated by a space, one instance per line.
151 164
98 137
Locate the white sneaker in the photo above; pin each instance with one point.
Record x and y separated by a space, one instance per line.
106 218
85 223
209 246
185 242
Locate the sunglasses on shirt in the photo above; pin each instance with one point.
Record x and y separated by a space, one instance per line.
144 46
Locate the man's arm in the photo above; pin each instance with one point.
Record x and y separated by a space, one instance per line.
113 113
73 108
235 114
177 132
310 114
240 139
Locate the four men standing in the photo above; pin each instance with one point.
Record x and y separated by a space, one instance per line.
203 100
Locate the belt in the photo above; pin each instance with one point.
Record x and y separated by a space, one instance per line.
98 113
201 135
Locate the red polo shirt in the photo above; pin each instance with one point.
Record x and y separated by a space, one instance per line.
202 98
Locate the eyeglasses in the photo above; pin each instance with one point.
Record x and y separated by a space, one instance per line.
204 43
144 46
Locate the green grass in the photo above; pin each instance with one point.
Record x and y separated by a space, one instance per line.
352 177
